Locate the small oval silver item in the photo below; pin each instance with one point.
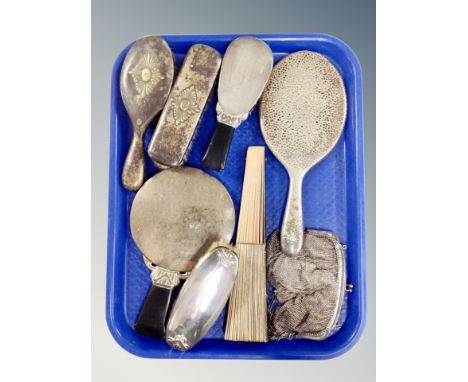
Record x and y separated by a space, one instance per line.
203 297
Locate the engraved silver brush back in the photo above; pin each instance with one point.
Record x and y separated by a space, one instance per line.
145 82
180 117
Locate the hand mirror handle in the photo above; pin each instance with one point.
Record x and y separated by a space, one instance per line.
151 321
292 230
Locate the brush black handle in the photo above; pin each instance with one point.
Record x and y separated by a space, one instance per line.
217 152
151 321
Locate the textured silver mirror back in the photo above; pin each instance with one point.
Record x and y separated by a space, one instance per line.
303 109
302 115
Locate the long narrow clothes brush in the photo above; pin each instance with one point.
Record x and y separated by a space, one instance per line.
247 312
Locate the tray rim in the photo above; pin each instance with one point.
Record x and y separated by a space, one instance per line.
114 174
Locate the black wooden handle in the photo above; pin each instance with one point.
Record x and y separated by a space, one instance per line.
151 321
216 154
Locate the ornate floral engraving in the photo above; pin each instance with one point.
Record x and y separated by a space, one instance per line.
226 258
178 341
185 104
163 278
228 119
145 75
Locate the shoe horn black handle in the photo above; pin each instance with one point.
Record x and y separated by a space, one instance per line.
151 321
216 154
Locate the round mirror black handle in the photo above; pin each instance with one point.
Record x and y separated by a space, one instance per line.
151 321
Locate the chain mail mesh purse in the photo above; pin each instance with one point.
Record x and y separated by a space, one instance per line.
310 287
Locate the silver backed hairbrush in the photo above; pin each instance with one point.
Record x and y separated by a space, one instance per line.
172 137
145 82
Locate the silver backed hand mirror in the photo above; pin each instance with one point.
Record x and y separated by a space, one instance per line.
302 115
176 215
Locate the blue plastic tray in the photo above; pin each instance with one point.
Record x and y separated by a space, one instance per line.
333 197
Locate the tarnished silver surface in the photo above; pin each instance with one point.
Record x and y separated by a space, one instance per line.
202 298
302 115
145 81
245 70
178 342
181 114
164 278
176 216
152 267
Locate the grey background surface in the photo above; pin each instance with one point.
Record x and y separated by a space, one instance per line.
115 23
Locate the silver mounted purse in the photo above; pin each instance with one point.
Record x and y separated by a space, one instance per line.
310 287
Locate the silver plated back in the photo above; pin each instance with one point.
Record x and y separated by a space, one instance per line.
245 70
145 82
302 115
202 297
171 141
178 214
